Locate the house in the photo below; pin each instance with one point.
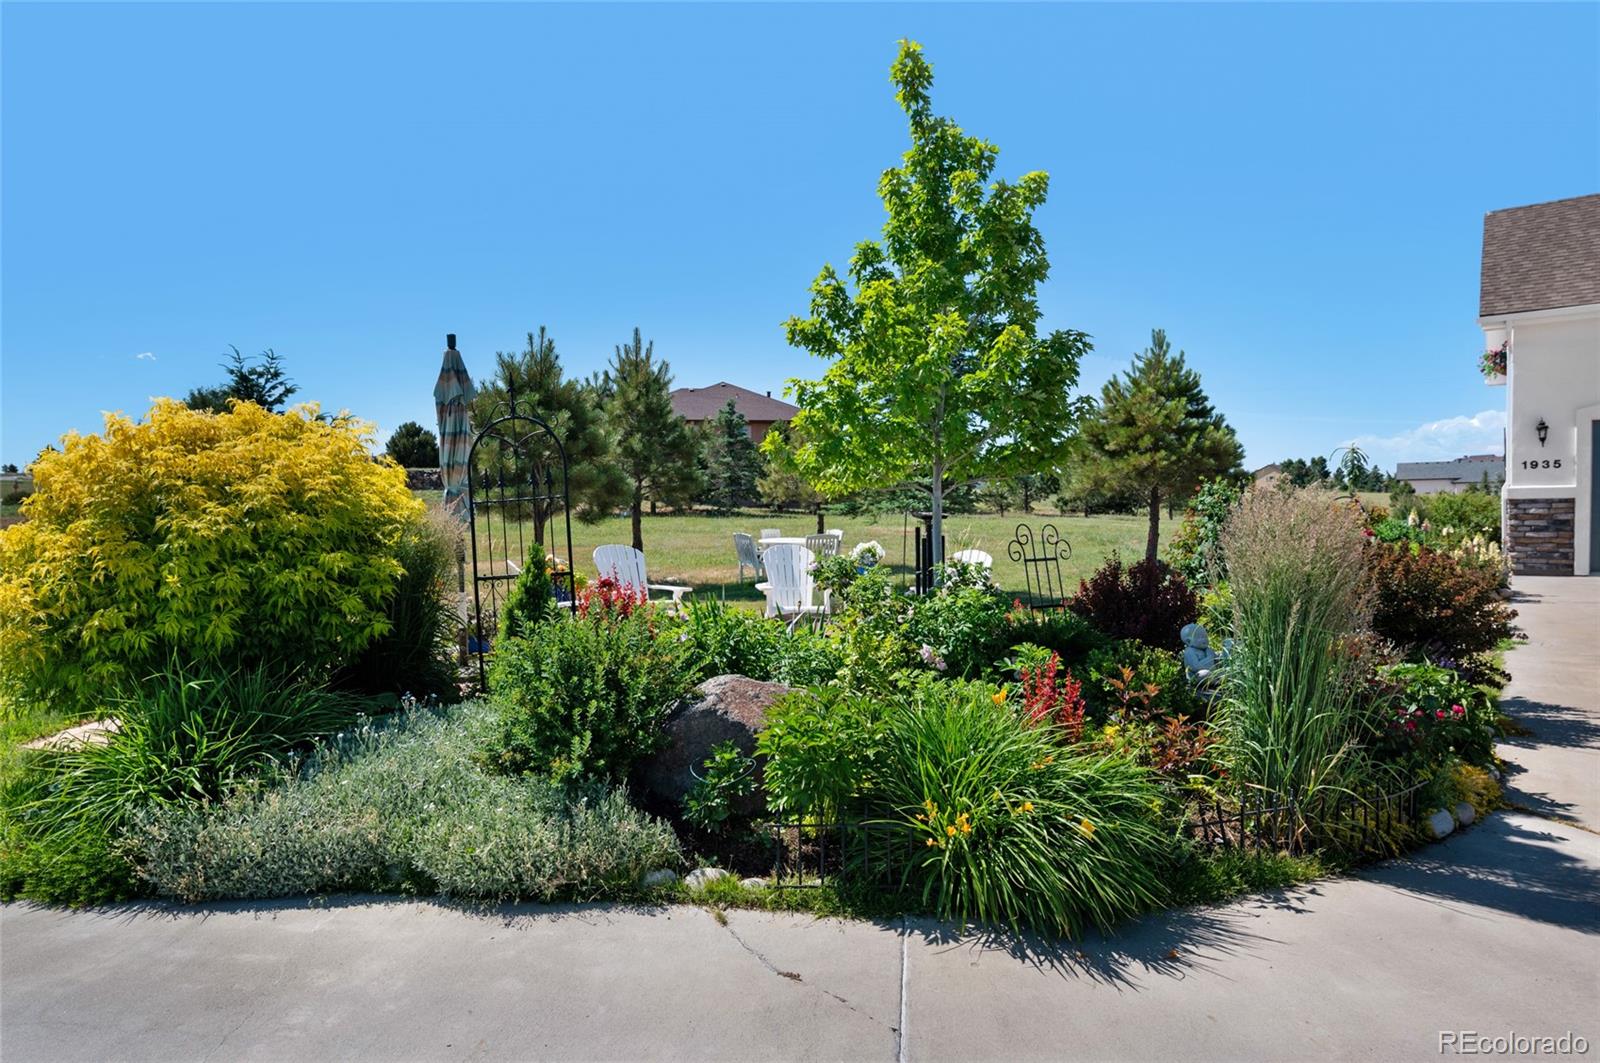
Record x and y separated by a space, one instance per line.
699 405
1540 302
1268 475
1461 474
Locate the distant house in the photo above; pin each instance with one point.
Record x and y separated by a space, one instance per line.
699 405
1540 303
1268 475
1436 477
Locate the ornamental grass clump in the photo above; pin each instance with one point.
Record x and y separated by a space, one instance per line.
1003 824
1292 720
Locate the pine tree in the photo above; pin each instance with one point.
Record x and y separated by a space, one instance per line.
1155 432
655 448
596 486
413 447
733 463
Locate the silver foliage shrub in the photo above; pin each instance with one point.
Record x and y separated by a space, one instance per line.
402 804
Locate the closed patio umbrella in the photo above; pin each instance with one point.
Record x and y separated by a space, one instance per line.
452 398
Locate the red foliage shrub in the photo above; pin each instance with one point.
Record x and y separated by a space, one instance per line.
1148 602
1426 602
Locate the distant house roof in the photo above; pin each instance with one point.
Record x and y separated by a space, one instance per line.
1469 469
1267 471
702 404
1540 257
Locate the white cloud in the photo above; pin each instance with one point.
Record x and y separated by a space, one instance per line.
1481 433
145 356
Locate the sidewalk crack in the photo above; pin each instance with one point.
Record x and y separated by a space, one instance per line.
794 976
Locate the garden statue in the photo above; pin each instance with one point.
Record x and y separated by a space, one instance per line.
1199 659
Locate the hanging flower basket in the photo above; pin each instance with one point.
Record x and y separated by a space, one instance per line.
1493 364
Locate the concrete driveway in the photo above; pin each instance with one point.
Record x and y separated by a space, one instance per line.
1493 933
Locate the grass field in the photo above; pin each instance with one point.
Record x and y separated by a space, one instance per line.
697 549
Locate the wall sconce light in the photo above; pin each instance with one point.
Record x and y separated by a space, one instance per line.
1543 431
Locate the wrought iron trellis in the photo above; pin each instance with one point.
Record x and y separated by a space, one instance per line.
1041 565
516 486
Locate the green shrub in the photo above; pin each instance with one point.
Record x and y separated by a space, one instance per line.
246 536
721 640
1001 824
1292 719
1456 516
727 778
1216 613
966 627
532 597
1431 714
403 804
821 748
416 655
1060 630
585 699
807 658
1155 683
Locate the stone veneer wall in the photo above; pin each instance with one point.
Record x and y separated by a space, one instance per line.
424 480
1539 535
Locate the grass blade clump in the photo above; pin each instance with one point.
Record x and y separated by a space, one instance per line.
1292 720
1003 823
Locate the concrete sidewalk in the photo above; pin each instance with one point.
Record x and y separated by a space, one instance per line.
1496 930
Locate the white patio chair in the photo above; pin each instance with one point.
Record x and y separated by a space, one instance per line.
789 587
771 533
744 548
823 545
626 565
974 557
837 533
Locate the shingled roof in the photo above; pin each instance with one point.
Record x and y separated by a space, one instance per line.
1540 257
702 404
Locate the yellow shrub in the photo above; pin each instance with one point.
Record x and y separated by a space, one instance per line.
245 536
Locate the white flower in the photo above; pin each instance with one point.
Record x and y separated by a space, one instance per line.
869 553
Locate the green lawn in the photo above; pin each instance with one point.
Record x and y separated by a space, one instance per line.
697 549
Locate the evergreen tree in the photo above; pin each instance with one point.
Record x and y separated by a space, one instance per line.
733 463
260 380
655 448
1155 432
596 486
413 447
783 485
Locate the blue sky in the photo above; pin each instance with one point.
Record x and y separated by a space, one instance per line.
1295 193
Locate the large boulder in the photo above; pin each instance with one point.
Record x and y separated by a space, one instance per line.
725 708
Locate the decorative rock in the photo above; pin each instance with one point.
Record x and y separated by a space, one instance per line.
701 877
753 883
659 877
1441 823
1465 813
725 708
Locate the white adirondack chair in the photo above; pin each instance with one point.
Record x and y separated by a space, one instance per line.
974 557
772 533
626 565
823 545
837 533
749 557
789 587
